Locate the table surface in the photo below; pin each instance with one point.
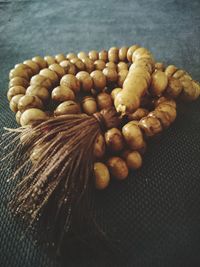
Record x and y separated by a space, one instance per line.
162 230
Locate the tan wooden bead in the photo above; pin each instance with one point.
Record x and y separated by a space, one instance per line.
159 66
103 55
82 55
174 87
19 72
150 125
133 159
50 60
111 75
18 81
93 55
32 115
133 135
138 114
70 81
78 63
113 54
85 80
57 69
169 111
141 53
188 92
99 64
196 86
68 67
89 64
130 52
71 55
26 68
15 90
114 139
178 74
67 107
59 58
115 92
89 105
62 93
165 100
118 168
29 101
111 65
170 70
99 146
40 61
122 66
121 77
104 100
159 82
42 81
99 79
50 74
18 116
33 65
102 175
123 53
38 91
14 102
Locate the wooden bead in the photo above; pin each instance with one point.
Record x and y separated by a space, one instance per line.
170 70
89 105
188 92
159 66
114 139
18 72
85 80
118 168
18 81
133 135
41 81
89 64
113 54
33 65
78 63
57 69
25 68
69 56
62 93
159 83
111 65
50 74
111 75
99 79
123 53
68 67
99 146
174 87
50 60
133 159
15 90
178 74
82 55
70 81
141 53
93 55
122 66
38 91
40 61
59 58
67 107
102 175
99 64
115 92
32 115
29 101
103 55
18 116
138 114
150 125
14 102
104 100
130 52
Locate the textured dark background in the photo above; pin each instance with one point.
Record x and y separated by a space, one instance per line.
154 216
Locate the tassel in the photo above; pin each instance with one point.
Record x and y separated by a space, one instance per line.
63 173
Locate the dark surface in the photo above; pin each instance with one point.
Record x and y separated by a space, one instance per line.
154 216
